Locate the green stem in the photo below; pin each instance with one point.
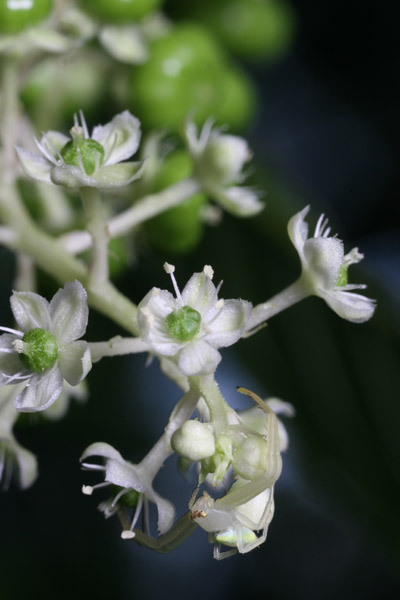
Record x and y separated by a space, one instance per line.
218 407
9 117
97 228
144 209
289 296
50 256
117 346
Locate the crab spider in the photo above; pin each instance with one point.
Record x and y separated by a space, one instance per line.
248 507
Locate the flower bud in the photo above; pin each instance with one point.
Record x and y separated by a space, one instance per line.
193 440
250 460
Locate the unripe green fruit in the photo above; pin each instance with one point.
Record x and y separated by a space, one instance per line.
120 11
40 350
250 460
87 151
178 229
183 324
17 15
181 75
238 100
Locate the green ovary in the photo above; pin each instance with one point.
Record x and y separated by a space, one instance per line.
91 154
343 276
40 350
183 324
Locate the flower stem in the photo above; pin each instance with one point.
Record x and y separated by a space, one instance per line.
144 209
9 116
97 228
289 296
219 409
117 346
50 256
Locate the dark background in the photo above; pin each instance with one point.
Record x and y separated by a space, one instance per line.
327 134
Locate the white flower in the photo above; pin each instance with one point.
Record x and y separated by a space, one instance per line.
46 350
193 325
219 159
127 477
87 161
256 420
14 459
324 269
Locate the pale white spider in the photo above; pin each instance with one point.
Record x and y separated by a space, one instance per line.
247 509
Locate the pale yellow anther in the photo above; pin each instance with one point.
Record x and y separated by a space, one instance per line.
127 534
219 304
169 268
87 490
208 271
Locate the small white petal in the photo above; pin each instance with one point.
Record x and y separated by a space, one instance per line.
152 312
352 307
101 449
34 165
198 358
69 312
126 44
53 142
75 361
201 294
30 311
124 474
298 230
323 259
228 326
119 138
42 390
71 177
115 176
239 201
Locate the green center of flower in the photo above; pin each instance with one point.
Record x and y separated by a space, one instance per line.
86 152
39 350
343 276
183 324
129 498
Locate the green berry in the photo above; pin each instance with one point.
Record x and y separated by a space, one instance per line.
17 15
237 100
90 152
120 11
181 75
183 324
178 229
40 350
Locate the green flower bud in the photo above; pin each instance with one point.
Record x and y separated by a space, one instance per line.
193 440
183 324
39 350
83 151
250 460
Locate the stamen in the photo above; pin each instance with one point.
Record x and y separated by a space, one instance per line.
89 489
118 496
76 122
169 269
320 226
17 377
208 271
84 126
128 535
14 331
